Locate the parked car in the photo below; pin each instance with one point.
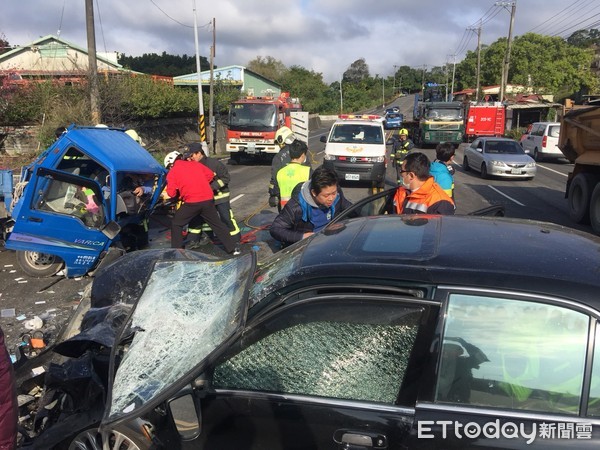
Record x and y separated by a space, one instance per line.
499 157
392 110
541 141
393 120
379 332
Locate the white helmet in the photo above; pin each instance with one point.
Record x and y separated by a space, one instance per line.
136 137
171 158
284 136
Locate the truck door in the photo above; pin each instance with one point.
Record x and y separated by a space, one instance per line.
62 215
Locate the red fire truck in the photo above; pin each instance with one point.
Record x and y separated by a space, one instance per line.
253 122
485 120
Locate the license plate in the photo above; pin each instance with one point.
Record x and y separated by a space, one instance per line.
352 177
251 148
515 171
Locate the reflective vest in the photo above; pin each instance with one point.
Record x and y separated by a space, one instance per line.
288 178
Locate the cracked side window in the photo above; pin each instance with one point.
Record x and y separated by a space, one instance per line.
342 350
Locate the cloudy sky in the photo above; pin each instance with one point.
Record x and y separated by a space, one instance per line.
321 35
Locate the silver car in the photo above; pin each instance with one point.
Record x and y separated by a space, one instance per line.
499 157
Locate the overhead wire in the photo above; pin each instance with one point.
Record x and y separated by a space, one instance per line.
101 27
555 15
564 30
569 18
177 21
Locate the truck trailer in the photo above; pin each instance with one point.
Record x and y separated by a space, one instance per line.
579 141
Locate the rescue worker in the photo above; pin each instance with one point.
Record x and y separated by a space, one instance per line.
400 149
283 138
220 187
294 172
441 169
317 203
190 182
419 193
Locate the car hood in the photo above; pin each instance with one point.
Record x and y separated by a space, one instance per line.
187 312
509 158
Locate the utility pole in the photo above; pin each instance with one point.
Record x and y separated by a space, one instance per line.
478 30
383 91
506 62
423 83
211 115
341 97
92 62
201 124
394 86
453 73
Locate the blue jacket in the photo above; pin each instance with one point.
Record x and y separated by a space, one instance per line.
295 218
442 176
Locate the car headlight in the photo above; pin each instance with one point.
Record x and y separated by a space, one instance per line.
530 165
497 163
329 157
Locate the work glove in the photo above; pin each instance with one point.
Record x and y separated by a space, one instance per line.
273 201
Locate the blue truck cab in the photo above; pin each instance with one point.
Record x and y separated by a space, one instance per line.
74 206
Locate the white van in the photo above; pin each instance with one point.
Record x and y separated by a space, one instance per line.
542 141
355 148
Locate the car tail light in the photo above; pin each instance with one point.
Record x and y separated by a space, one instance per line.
544 140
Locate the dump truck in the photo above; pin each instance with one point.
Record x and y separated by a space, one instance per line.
579 141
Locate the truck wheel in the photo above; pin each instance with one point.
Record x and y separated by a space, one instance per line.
580 193
235 159
466 164
595 209
39 265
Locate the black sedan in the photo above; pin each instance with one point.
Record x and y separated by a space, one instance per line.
385 332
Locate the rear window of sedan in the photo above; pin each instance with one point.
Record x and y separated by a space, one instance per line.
505 147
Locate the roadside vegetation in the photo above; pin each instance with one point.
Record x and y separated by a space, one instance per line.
549 65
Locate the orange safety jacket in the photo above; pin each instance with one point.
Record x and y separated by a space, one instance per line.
430 198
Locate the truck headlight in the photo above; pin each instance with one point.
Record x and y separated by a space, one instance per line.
378 159
427 135
329 157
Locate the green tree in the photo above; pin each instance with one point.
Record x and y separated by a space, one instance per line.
164 64
4 45
585 38
308 86
268 67
358 71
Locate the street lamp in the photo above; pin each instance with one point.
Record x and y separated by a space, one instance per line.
341 97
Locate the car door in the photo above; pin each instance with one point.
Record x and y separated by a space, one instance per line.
61 214
475 156
323 371
512 371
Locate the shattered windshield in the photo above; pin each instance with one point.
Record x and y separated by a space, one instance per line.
187 310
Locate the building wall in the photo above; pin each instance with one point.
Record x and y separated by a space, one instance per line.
258 86
50 58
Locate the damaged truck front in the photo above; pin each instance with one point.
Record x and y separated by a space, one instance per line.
74 208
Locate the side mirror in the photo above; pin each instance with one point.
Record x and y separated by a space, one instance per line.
323 138
480 150
111 229
389 142
185 417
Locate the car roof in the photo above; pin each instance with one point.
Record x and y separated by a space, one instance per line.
368 122
113 148
490 252
492 138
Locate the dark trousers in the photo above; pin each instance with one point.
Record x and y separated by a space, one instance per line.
208 212
196 225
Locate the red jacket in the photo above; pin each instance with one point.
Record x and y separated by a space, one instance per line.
191 181
8 400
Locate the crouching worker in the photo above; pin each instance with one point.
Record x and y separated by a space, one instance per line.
314 204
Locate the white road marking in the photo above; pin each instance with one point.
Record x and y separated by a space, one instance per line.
236 198
552 170
508 197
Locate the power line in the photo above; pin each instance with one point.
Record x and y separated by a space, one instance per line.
177 21
575 25
555 15
101 27
570 17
